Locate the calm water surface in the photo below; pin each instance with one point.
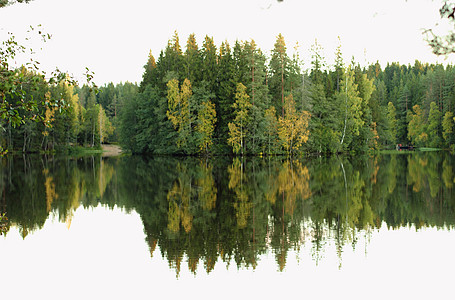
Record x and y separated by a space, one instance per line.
143 228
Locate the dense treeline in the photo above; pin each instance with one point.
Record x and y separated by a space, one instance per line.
238 100
224 100
84 116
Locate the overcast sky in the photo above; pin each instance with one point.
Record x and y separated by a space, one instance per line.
113 38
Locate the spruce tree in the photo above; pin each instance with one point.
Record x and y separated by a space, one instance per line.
279 72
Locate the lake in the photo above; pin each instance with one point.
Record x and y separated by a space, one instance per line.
140 228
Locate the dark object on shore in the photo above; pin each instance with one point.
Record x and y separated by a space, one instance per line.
400 147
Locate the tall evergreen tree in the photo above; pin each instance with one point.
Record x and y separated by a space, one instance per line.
279 71
193 60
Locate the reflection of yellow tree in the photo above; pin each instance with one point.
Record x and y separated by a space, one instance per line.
242 204
271 188
51 195
207 189
74 200
416 176
447 174
374 175
293 182
391 174
105 175
293 127
179 204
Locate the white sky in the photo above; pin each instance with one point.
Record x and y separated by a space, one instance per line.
113 38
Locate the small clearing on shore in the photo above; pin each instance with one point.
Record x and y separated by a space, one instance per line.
111 150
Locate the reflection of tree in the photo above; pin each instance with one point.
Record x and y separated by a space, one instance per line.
179 198
242 205
50 189
207 189
35 187
235 211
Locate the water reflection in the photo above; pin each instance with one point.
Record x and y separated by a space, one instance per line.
235 210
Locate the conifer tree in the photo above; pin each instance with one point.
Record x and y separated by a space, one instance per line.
447 128
317 63
209 64
193 60
149 76
258 92
434 124
392 122
326 123
226 90
279 64
339 65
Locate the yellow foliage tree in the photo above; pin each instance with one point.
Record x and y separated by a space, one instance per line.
179 109
238 128
206 125
293 127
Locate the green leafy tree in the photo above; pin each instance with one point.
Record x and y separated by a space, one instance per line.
417 127
179 110
238 129
271 123
353 113
206 125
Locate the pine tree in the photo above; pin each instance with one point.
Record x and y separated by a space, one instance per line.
279 64
447 128
193 60
339 65
392 122
317 63
434 125
326 121
258 92
226 90
209 63
149 76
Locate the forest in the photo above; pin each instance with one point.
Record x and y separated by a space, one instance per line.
223 100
